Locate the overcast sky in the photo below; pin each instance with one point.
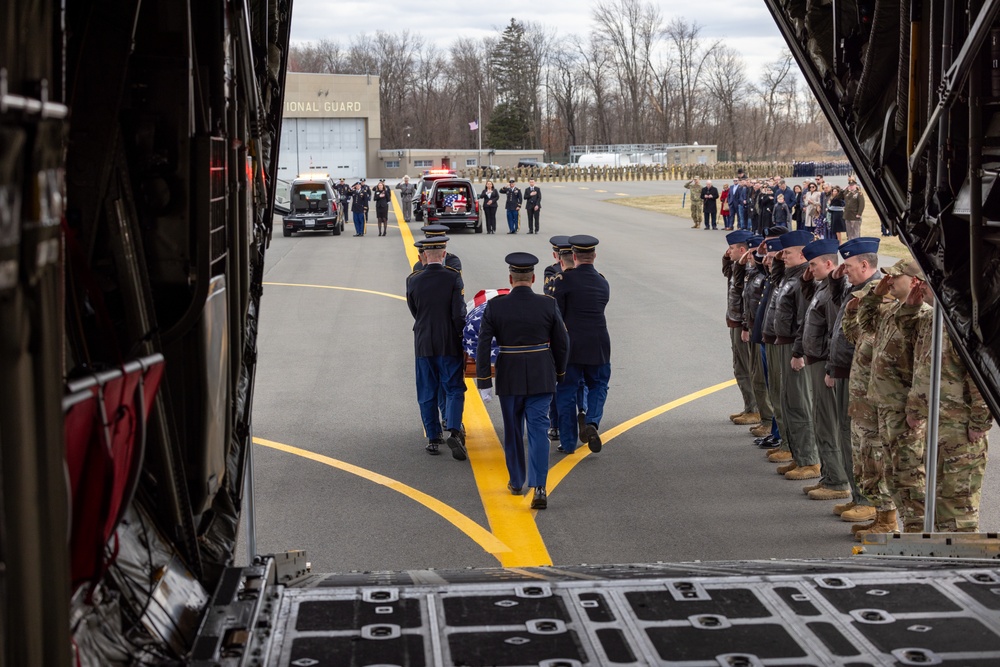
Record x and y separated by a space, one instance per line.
745 25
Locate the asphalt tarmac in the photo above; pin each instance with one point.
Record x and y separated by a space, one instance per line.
341 471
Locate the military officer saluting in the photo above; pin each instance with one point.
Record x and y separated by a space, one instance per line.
582 295
436 300
513 205
533 349
436 232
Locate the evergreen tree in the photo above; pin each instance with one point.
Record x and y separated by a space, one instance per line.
508 128
510 125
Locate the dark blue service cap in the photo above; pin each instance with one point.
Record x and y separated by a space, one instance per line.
801 237
755 241
774 245
820 248
583 242
739 236
419 244
435 242
434 230
560 242
863 245
776 230
521 262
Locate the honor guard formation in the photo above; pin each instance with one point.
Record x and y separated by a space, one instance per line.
833 361
554 353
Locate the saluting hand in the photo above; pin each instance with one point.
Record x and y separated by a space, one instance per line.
853 304
840 272
917 292
883 286
807 275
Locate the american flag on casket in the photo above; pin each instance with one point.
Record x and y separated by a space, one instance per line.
473 320
456 202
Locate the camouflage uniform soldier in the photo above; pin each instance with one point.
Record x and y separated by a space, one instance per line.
736 273
963 424
694 196
888 389
847 372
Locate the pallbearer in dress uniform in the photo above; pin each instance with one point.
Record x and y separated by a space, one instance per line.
437 231
582 294
533 348
562 252
436 300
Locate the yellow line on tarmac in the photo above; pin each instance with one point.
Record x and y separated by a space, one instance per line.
404 231
487 540
561 469
511 518
346 289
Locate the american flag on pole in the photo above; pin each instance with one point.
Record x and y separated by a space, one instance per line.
473 125
456 202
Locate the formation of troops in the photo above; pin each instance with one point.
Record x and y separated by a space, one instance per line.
554 363
832 357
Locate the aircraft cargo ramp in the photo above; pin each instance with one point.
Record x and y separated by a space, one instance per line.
864 610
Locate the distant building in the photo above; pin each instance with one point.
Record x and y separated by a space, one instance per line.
332 124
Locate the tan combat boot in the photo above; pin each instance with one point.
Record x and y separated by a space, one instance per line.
858 513
747 418
859 527
760 431
811 487
736 416
788 467
804 472
840 508
824 493
780 457
885 522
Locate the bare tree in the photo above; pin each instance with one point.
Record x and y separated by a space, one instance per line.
692 57
726 83
631 29
776 86
564 85
596 70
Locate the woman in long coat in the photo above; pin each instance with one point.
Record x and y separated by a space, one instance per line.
382 197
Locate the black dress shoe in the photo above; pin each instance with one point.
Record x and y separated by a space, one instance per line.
563 450
515 491
457 448
553 434
539 502
433 446
593 439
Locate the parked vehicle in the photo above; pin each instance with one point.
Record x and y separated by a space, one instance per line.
423 188
453 202
312 206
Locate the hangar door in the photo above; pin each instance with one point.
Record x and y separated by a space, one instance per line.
336 146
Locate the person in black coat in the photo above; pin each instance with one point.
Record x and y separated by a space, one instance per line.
382 196
436 299
359 208
533 205
533 351
582 294
709 197
490 198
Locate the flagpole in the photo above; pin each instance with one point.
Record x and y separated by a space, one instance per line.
479 126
